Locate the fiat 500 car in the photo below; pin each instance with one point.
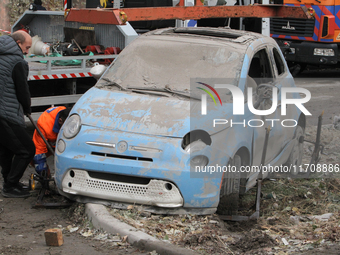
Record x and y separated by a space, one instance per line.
158 129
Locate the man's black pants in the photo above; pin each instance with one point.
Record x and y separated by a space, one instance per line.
16 151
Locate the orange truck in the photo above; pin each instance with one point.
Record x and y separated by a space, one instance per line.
313 41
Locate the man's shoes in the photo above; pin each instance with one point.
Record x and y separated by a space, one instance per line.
22 186
14 191
19 185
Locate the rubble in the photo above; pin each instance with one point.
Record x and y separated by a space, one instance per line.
323 217
296 214
303 212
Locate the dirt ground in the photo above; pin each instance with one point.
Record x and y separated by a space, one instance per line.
22 230
22 227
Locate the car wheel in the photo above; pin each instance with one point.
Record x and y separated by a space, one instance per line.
231 189
295 158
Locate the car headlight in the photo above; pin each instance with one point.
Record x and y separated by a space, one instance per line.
61 146
72 126
198 160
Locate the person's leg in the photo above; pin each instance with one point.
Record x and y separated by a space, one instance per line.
40 164
23 148
14 141
6 155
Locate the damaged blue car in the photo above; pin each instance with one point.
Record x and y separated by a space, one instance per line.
158 131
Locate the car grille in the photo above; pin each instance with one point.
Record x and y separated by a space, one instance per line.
155 192
292 27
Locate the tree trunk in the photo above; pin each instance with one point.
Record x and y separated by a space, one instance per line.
4 16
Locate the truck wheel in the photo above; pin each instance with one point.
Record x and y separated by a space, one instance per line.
295 158
230 189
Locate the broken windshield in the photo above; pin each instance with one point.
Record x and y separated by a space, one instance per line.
169 63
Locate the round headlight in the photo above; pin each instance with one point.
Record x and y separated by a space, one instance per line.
61 146
199 161
72 126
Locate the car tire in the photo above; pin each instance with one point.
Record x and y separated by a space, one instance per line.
295 158
231 189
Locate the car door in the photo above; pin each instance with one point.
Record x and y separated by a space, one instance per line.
283 79
261 71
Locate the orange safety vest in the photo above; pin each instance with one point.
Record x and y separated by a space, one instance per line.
49 127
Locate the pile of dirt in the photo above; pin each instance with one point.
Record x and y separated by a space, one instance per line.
200 233
296 215
253 241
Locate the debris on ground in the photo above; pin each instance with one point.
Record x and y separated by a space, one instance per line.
297 215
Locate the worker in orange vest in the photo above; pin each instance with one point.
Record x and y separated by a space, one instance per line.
49 123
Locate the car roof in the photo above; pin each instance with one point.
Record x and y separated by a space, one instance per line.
174 55
209 33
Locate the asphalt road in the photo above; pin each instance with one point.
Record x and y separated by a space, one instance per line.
324 86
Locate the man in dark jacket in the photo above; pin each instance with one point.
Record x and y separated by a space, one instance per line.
16 146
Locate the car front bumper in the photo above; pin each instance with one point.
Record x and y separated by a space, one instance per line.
151 171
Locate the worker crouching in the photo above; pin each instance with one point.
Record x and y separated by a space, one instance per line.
49 123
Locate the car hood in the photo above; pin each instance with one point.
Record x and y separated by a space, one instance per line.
142 113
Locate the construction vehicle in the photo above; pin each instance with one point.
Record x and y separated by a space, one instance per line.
309 41
62 80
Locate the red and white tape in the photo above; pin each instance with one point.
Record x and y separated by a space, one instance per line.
5 31
58 76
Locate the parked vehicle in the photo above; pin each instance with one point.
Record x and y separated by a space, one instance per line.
138 135
309 41
60 80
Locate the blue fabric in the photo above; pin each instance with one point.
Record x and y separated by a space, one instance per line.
51 109
40 163
56 126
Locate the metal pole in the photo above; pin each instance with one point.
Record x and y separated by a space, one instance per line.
259 178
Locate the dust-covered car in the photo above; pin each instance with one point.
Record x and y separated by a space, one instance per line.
172 123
